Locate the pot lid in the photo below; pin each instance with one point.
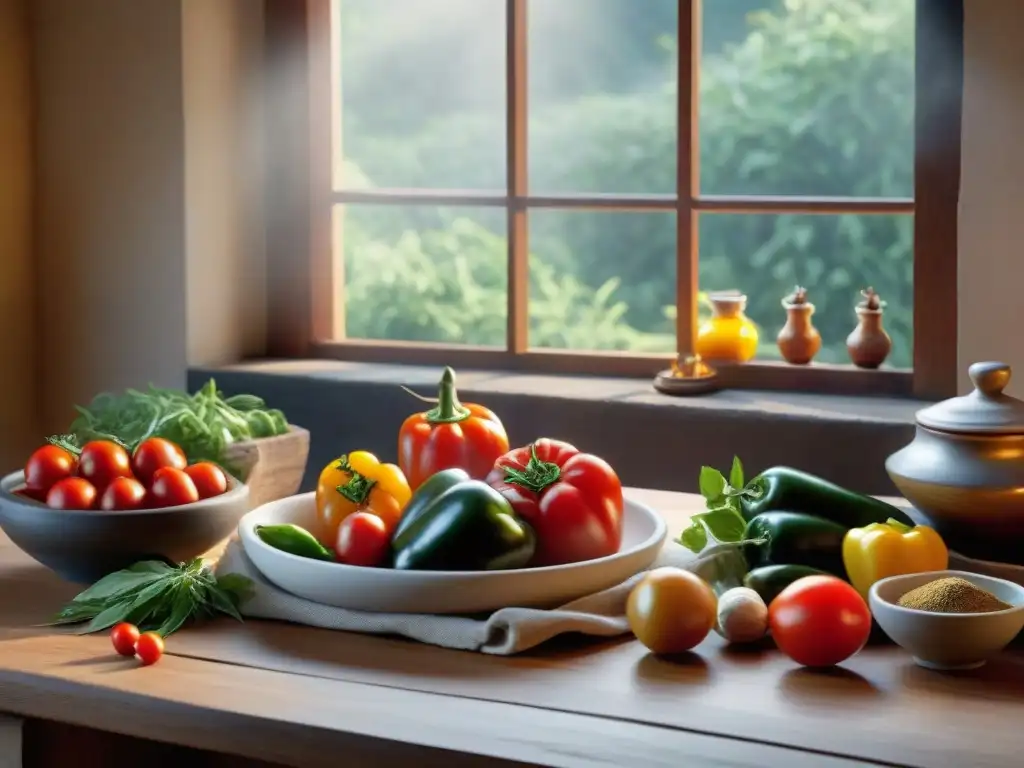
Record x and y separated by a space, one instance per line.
985 410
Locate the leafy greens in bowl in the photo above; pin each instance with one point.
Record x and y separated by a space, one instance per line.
204 425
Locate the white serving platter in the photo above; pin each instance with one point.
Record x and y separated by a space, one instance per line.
444 592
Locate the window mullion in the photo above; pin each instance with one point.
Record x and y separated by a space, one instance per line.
687 174
516 176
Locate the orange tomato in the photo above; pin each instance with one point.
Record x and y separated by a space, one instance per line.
671 610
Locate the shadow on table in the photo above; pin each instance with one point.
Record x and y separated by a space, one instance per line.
672 670
805 685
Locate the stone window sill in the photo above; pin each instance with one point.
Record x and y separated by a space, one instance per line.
652 439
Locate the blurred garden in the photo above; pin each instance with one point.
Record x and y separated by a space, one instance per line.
797 97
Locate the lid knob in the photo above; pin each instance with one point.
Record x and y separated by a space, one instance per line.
990 378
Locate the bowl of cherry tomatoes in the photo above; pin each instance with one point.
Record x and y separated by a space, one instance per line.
88 512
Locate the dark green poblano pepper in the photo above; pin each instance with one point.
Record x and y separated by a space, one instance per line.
467 526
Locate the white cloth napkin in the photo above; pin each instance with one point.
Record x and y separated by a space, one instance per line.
505 632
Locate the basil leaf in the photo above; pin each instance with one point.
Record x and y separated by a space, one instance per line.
238 587
136 610
108 617
74 613
695 537
712 484
736 473
222 603
182 607
724 524
151 604
128 580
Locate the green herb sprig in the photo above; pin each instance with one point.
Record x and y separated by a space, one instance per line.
723 519
156 596
203 424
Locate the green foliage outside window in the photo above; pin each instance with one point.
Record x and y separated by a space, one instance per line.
815 99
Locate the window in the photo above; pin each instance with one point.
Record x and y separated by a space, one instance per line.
552 185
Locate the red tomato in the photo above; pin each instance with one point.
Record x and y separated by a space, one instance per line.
209 479
123 493
572 500
101 461
72 493
153 453
124 636
819 621
363 539
172 487
149 648
46 466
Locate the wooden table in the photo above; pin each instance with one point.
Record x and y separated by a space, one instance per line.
332 698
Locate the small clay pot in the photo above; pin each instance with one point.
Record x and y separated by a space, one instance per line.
869 344
799 341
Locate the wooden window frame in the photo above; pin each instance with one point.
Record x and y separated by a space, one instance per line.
305 278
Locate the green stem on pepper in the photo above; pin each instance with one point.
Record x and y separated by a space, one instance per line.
536 475
901 527
448 410
358 486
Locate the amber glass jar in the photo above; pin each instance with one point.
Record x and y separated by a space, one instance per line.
728 335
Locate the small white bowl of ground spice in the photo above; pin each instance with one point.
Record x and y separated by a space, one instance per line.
949 620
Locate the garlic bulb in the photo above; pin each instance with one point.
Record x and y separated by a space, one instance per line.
742 616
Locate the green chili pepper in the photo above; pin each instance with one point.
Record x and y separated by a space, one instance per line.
792 538
293 540
783 488
260 423
770 580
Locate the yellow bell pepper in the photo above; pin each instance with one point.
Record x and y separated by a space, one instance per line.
359 482
880 550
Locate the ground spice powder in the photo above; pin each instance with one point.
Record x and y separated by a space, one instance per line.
952 595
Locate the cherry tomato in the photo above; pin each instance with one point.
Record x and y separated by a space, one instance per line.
363 539
72 493
819 621
101 461
46 466
149 648
209 479
172 487
124 636
123 493
671 610
154 453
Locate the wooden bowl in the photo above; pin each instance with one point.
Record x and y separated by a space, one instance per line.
272 467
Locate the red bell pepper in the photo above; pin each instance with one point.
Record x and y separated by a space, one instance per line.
452 434
572 500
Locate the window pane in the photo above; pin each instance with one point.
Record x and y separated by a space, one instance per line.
602 281
602 96
423 93
808 97
833 257
424 274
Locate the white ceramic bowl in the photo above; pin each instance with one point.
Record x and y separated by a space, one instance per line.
444 592
948 641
